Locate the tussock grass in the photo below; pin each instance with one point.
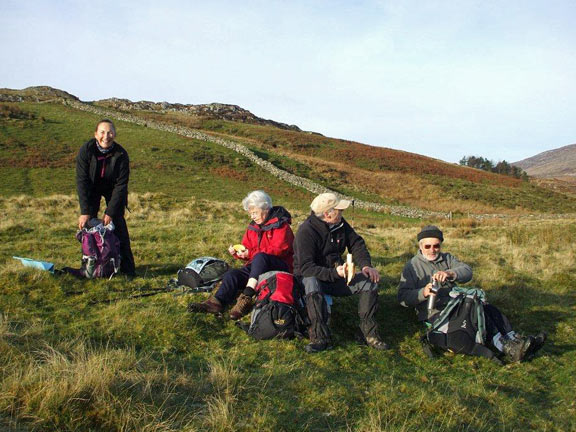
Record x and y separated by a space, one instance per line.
79 387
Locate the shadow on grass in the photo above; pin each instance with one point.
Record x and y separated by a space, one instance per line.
150 270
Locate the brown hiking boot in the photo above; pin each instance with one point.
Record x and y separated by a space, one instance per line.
242 307
212 305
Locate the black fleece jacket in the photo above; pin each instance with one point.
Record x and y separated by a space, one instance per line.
318 249
113 185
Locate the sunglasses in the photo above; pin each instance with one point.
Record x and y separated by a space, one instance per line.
435 246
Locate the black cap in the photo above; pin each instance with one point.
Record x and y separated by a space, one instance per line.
430 231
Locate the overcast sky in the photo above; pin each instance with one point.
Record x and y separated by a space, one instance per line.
440 78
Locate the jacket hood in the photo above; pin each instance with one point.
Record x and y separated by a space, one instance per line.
277 216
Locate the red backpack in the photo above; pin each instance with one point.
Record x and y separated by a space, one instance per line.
279 310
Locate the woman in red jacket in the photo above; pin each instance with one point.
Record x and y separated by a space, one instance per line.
267 246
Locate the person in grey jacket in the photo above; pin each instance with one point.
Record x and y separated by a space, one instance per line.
318 247
430 265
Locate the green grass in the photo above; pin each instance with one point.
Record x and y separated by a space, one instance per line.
82 355
525 195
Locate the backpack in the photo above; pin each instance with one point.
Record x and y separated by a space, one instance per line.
100 253
460 326
278 312
202 273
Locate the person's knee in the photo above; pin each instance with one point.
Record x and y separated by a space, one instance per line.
364 284
260 256
311 285
229 277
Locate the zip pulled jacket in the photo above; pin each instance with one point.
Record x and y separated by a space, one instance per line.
274 236
318 249
109 178
416 275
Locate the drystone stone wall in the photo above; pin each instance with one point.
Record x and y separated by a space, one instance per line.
244 151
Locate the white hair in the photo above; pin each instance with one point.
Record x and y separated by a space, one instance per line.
259 199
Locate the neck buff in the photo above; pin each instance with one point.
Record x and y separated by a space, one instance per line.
104 150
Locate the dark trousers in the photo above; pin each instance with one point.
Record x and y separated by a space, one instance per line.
121 230
235 280
496 321
318 312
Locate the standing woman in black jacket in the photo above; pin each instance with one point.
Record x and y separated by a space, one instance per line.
102 170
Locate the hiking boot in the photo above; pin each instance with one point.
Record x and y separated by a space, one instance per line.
377 343
517 347
243 305
212 305
537 343
315 347
373 341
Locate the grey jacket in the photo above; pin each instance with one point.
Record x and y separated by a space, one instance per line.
416 275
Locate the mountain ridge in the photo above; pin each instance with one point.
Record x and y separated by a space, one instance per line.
560 162
215 110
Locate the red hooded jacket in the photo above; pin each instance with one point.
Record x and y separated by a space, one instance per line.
274 236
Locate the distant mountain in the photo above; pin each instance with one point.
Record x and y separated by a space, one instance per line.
557 163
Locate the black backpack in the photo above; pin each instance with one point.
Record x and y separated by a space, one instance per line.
278 312
460 326
202 273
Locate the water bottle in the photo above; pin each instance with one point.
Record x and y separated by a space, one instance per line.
432 296
90 264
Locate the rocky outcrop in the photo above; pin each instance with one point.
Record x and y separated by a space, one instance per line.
213 110
35 94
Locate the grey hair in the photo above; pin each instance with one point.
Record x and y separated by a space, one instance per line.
321 214
259 199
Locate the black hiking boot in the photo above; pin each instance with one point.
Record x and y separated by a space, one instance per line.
318 346
372 341
537 343
517 348
377 343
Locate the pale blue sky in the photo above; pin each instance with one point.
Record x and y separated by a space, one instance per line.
440 78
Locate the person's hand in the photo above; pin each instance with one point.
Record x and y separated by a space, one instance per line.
106 220
427 290
371 273
443 276
83 220
231 250
341 270
244 254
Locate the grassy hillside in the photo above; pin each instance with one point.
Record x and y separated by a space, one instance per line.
39 143
381 174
